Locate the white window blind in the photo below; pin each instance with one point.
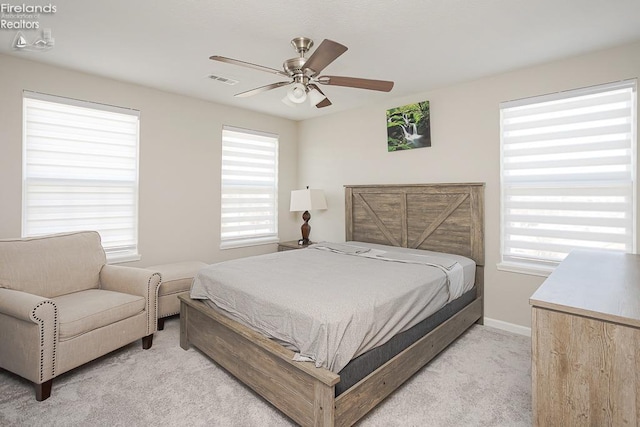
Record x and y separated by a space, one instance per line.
249 188
568 174
80 171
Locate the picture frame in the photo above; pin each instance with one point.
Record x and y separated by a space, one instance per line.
409 127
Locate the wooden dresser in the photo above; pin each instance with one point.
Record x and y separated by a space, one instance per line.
585 334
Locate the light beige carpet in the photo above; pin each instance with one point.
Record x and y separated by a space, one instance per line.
483 379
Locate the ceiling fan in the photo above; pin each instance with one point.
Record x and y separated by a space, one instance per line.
303 73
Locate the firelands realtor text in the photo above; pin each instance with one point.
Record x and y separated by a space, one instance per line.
23 16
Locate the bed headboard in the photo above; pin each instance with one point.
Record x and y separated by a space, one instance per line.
438 217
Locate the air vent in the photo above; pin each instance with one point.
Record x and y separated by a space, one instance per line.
224 80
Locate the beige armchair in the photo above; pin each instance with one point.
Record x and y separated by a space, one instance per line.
62 305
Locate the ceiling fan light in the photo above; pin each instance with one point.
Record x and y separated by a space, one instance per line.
297 93
316 97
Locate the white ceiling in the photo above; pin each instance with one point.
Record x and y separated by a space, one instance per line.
419 44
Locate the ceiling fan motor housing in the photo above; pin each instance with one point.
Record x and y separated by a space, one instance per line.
294 66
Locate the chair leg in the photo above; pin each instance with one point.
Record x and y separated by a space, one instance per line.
43 391
161 323
147 342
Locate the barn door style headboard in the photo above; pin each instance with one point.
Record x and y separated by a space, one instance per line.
438 217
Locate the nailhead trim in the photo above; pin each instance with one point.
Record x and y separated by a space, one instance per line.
153 321
42 337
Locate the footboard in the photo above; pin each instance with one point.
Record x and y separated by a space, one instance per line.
300 390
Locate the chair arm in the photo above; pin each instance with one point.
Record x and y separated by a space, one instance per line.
23 305
29 334
135 281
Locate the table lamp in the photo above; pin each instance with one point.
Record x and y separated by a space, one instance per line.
306 200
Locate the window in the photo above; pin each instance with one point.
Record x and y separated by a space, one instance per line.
80 171
249 188
568 175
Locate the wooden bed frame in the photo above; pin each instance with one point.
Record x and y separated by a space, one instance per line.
441 217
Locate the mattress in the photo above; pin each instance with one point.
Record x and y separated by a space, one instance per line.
368 362
332 302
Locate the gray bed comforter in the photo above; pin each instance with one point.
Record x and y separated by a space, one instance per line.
332 302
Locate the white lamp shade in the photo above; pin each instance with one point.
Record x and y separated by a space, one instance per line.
307 200
297 93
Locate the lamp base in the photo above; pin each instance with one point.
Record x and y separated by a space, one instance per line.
305 228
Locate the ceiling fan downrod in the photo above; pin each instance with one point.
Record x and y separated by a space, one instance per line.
294 66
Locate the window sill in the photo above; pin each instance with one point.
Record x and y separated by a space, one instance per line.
525 269
118 259
233 244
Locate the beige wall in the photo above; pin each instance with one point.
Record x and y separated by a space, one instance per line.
350 148
180 137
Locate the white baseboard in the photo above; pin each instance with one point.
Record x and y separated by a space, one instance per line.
505 326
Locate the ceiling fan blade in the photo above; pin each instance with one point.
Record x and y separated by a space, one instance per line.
324 55
261 89
325 102
248 65
381 85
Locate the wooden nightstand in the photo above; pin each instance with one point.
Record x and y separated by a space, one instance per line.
289 246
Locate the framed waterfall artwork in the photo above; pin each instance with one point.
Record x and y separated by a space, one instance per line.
408 127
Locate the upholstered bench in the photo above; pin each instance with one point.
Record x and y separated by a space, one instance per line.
176 278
